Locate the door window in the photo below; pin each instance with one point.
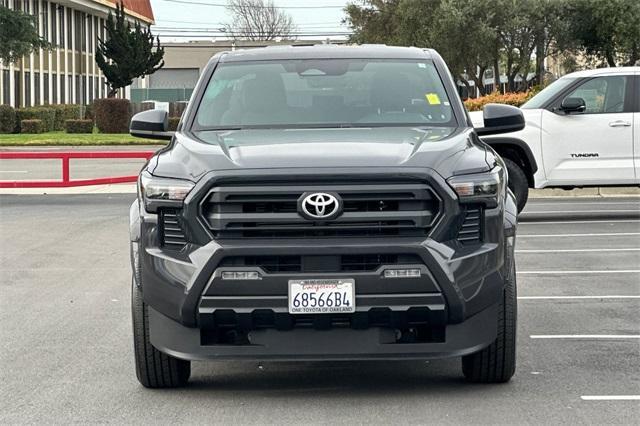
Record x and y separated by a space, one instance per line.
602 94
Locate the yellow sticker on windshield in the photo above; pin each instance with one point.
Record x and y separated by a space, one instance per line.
433 98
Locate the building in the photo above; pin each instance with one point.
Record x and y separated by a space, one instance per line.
183 63
68 73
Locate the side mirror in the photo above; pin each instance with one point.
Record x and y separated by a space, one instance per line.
570 105
499 118
151 124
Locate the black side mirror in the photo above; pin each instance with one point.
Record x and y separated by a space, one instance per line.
151 124
500 118
570 105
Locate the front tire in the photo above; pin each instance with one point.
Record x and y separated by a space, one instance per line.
497 362
518 183
154 369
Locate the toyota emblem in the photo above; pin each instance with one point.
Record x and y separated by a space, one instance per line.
320 205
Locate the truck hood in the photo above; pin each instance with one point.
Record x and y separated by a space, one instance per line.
191 155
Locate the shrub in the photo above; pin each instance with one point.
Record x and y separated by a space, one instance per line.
78 126
111 115
173 123
44 113
64 113
7 119
515 99
32 126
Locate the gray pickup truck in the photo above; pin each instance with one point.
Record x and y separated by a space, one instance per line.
324 203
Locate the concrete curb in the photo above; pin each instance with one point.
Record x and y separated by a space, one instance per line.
623 191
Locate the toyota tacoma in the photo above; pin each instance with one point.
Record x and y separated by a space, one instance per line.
324 203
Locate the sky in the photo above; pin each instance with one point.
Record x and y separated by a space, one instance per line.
310 16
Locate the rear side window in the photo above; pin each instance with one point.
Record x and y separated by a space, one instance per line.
324 93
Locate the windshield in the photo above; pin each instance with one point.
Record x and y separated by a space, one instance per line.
324 93
547 93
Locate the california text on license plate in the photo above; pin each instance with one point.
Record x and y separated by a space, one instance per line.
322 296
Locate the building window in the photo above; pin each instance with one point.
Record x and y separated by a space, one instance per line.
63 88
45 20
60 15
17 88
70 88
46 87
54 24
36 88
54 88
69 32
79 92
89 32
27 89
36 13
5 87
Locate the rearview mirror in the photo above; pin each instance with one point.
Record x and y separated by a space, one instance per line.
152 124
570 105
499 118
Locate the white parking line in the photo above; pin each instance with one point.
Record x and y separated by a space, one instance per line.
14 171
610 397
578 250
603 234
569 222
582 211
585 336
603 271
595 203
576 297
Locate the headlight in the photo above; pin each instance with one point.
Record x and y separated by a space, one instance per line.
157 191
479 188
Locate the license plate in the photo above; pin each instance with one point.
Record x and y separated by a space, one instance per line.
322 296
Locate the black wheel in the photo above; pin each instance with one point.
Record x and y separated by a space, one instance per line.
154 369
497 362
517 183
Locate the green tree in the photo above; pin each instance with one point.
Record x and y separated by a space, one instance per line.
607 30
127 53
18 35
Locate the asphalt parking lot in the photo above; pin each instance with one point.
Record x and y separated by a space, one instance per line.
67 352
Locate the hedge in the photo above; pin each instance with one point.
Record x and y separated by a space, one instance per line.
7 119
44 113
112 115
78 126
32 126
64 113
515 99
173 123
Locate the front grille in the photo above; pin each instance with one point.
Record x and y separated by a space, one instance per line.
171 231
314 263
470 231
370 209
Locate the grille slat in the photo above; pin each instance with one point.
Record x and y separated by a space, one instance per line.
470 232
369 209
171 232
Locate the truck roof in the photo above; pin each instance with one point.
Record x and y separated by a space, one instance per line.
603 71
326 51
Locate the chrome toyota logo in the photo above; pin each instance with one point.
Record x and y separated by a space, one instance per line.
320 205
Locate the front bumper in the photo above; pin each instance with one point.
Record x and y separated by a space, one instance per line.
183 342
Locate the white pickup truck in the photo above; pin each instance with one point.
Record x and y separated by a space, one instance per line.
582 130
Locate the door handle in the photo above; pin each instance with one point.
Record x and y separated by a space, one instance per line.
619 123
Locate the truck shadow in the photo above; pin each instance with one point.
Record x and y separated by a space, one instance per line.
325 379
